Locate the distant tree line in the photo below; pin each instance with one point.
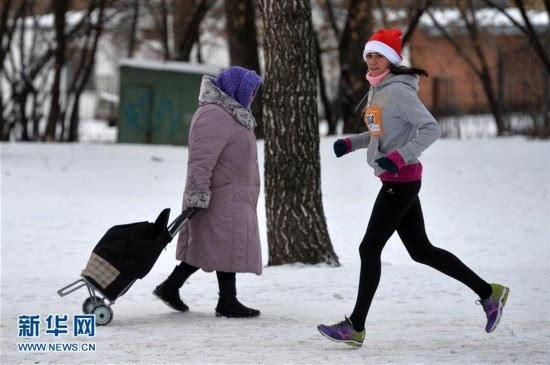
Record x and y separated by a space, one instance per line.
33 55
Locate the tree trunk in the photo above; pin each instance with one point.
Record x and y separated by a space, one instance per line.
5 31
10 109
296 225
243 46
159 12
89 55
327 104
331 18
540 49
353 84
4 38
60 8
416 14
188 16
494 104
2 118
133 29
485 76
23 97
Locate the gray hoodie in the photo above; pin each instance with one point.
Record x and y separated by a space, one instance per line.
408 126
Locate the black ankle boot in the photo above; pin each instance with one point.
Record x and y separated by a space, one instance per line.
232 308
228 304
170 295
168 290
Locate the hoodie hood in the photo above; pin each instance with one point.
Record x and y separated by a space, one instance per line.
409 80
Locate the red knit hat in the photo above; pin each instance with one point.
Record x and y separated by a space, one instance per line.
387 42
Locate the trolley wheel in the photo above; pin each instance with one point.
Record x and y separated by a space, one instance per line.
103 314
88 305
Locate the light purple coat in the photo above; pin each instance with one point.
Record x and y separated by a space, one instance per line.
223 177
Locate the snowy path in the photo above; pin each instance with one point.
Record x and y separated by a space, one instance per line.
487 201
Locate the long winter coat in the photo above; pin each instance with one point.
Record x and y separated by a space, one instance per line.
223 177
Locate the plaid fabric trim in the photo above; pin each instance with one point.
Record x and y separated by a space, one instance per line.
100 270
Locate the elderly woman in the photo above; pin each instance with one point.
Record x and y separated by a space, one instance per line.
223 181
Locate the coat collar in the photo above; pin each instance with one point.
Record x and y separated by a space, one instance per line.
210 94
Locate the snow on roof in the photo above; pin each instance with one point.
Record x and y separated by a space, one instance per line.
485 17
171 66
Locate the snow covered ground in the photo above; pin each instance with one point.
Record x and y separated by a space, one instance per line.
488 201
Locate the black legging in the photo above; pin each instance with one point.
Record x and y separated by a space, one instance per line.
397 207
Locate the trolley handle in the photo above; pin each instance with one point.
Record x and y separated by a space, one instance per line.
180 221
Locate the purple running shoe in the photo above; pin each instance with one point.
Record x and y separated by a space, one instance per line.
493 306
343 332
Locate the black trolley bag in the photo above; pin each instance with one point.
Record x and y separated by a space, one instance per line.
124 254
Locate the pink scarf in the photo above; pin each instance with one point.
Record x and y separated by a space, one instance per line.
375 80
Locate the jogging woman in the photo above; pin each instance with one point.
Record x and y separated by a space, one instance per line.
400 129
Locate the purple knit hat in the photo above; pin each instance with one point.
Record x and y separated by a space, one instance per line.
239 83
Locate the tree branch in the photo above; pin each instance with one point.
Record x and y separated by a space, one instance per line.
332 20
191 29
455 45
383 14
505 13
415 20
533 36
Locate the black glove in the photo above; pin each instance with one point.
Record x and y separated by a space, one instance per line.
340 148
387 164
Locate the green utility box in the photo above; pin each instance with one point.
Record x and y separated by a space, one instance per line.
158 99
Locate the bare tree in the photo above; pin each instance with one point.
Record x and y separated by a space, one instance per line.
533 37
480 66
160 10
540 116
329 106
383 13
243 46
329 11
85 67
29 65
188 16
330 116
296 225
133 28
527 29
416 13
60 8
20 69
353 83
7 27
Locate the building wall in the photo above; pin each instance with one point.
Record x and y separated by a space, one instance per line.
454 87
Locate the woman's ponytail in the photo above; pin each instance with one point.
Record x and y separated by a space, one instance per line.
404 70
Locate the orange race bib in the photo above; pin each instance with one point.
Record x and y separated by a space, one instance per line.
373 120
